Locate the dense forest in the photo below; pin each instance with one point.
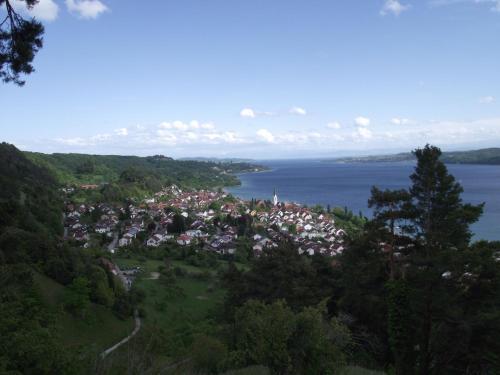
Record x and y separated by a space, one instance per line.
121 177
489 156
31 249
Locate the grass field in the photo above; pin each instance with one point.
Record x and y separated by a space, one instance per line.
147 266
99 330
178 317
151 265
172 313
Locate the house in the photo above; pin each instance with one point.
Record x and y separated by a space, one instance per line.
257 248
184 239
155 241
102 228
89 187
126 240
216 244
195 233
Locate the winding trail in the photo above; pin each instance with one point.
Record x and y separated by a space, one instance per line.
108 351
137 319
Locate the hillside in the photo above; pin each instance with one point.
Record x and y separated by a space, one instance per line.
490 156
98 331
96 169
122 177
28 197
54 298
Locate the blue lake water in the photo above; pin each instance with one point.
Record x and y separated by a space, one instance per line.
315 182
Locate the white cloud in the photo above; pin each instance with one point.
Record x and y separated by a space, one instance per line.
123 132
394 7
77 141
247 112
165 125
44 10
298 111
179 125
192 137
207 126
266 135
164 137
182 126
399 121
334 125
100 137
486 99
362 121
364 133
86 8
194 124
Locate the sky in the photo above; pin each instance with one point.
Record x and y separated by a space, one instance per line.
259 78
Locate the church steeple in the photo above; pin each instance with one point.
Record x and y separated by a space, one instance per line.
275 198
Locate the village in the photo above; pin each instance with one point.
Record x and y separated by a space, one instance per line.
208 220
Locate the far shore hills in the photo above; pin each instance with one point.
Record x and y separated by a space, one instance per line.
487 156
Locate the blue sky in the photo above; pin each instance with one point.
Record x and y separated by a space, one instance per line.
259 78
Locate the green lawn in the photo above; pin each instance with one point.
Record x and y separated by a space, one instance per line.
100 328
151 265
147 266
172 313
178 317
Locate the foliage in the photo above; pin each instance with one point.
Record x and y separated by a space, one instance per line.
407 281
169 282
20 40
123 177
280 273
208 354
77 296
400 327
28 343
286 342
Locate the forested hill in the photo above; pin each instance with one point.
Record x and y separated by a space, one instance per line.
47 287
29 199
489 156
136 176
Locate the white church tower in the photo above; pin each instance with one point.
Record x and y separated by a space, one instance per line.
275 198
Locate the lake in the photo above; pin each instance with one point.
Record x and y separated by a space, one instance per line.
315 182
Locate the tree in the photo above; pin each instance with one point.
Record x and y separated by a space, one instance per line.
178 224
440 219
389 210
286 342
100 292
208 354
169 282
77 296
439 222
28 338
20 40
360 294
422 305
280 274
262 333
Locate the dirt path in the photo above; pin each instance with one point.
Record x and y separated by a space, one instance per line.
108 351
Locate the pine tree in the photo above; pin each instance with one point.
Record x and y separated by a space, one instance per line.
440 226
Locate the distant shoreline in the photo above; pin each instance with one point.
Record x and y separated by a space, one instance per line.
487 156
